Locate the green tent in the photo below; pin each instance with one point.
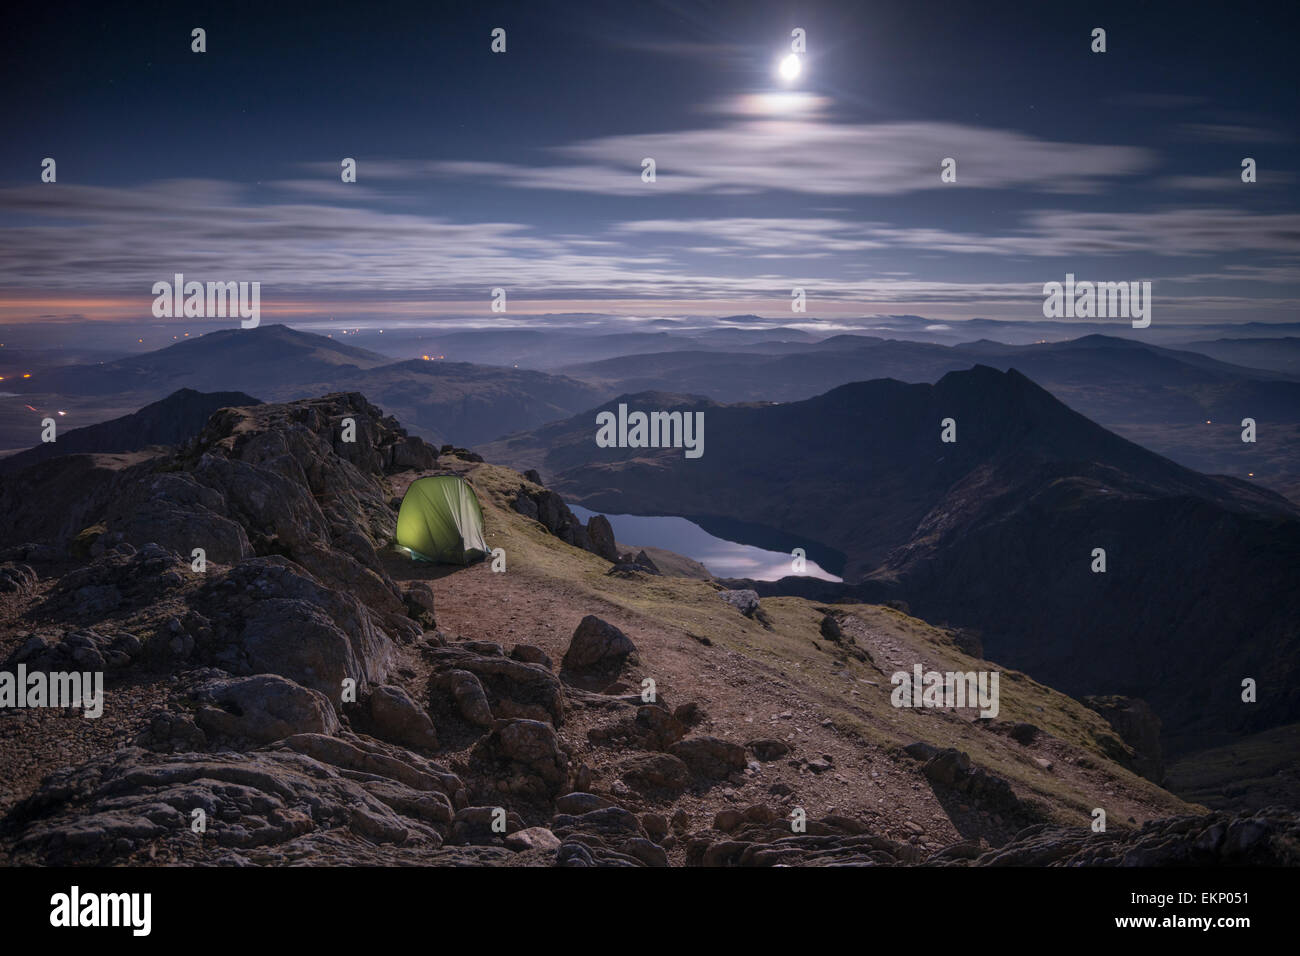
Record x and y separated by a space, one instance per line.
440 520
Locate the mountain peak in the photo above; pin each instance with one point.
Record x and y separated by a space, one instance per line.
168 421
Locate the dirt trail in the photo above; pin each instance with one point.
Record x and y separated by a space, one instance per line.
743 699
747 696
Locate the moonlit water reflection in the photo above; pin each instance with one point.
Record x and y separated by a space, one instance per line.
724 559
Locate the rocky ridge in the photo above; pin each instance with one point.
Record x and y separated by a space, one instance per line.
305 698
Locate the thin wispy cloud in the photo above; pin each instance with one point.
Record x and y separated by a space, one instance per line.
524 170
809 154
122 239
1177 232
1237 133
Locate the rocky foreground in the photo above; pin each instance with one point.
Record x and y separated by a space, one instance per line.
296 700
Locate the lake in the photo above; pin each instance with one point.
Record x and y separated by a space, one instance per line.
723 558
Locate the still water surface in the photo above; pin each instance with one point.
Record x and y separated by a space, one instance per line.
723 558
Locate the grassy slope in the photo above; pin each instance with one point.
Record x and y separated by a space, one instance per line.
800 664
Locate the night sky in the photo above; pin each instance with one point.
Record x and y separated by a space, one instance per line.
523 170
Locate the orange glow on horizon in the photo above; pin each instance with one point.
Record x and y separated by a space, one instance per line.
118 308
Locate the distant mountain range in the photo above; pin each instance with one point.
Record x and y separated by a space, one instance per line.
996 531
444 402
251 360
1278 354
1183 404
556 344
1092 366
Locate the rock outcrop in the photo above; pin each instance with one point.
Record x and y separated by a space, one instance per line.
548 509
1139 727
288 702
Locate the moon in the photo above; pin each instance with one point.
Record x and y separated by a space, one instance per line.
790 68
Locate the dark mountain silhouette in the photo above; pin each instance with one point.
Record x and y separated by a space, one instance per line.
562 343
995 531
1181 404
792 371
244 359
446 402
461 403
171 421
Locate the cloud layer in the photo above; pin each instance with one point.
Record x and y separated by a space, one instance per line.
311 235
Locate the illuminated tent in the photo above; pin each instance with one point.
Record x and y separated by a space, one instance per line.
440 520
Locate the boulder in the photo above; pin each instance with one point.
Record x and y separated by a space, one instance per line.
513 688
768 748
530 654
530 746
1023 733
578 802
947 767
262 709
271 616
654 773
920 750
532 838
745 601
420 604
464 692
710 757
600 538
395 716
480 825
597 646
